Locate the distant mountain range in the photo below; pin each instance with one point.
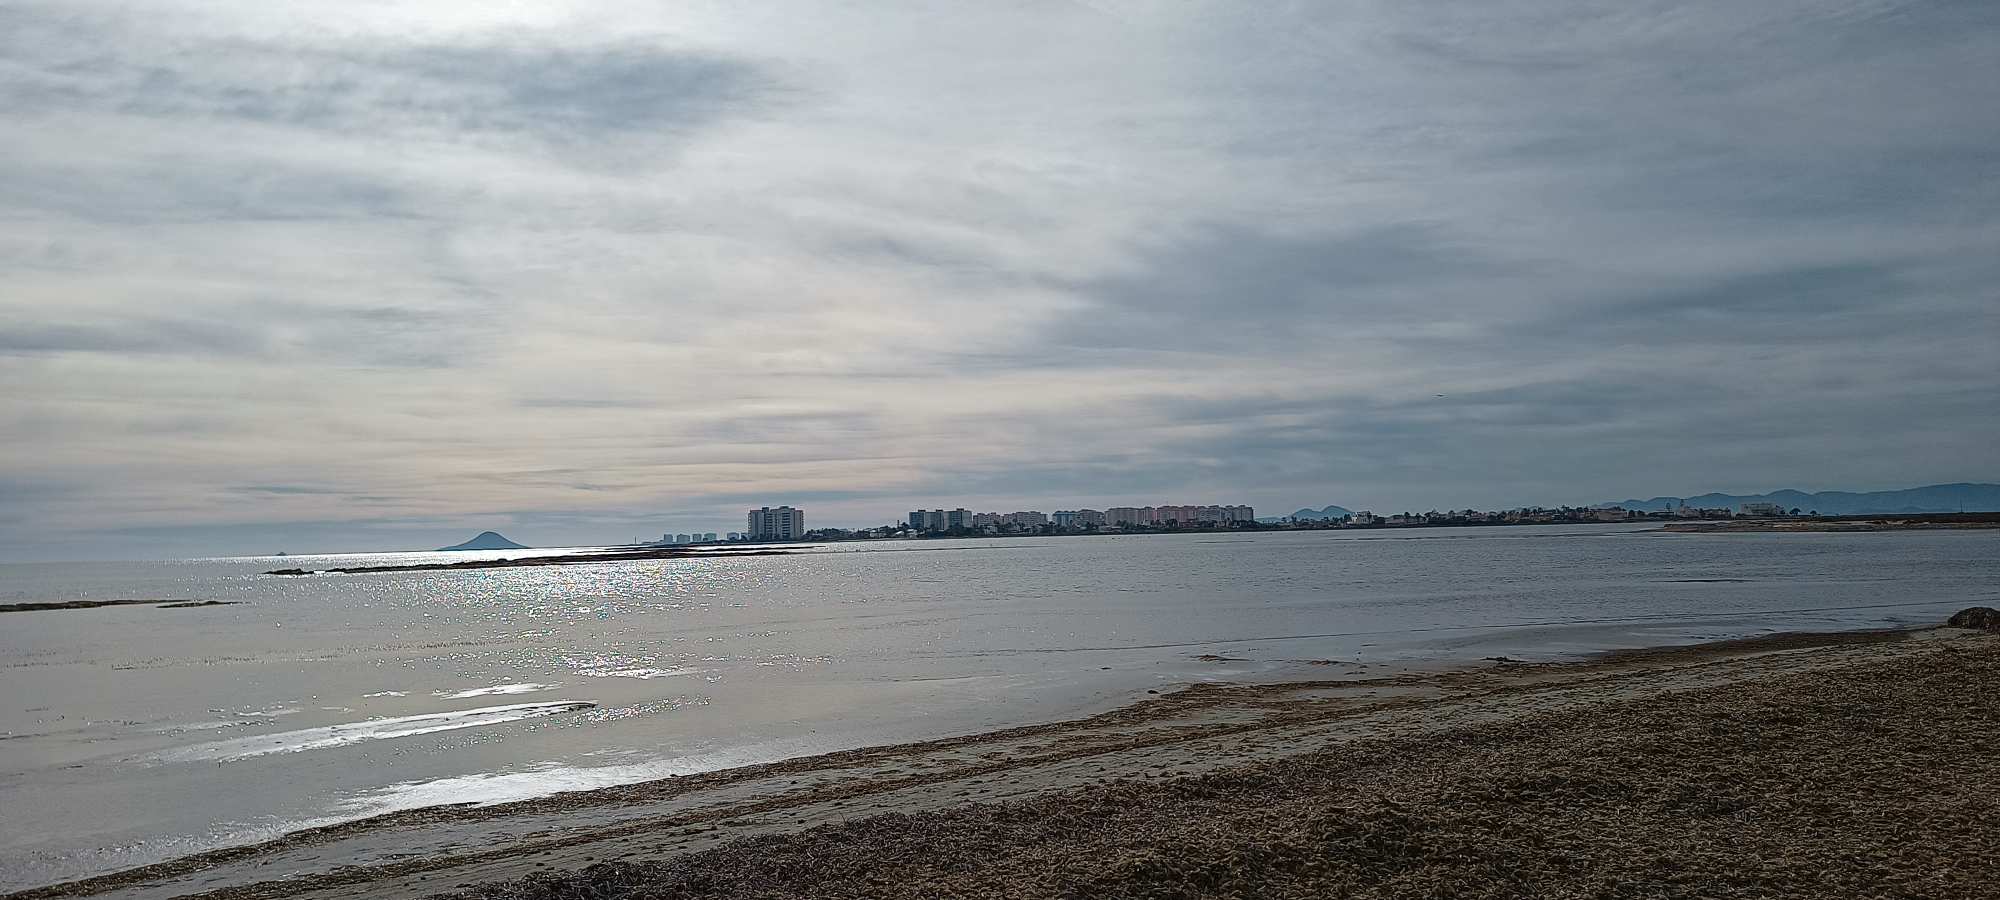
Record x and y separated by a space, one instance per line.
1929 499
487 540
1331 512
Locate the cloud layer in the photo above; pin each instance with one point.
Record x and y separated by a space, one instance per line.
359 275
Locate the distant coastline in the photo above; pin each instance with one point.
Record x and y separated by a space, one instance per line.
1568 516
1909 522
1925 522
834 536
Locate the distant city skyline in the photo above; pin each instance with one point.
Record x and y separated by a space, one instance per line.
1928 498
368 276
961 518
1972 496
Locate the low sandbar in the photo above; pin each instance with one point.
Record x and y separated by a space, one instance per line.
1911 522
96 604
577 559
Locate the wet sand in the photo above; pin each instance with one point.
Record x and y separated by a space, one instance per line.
1799 765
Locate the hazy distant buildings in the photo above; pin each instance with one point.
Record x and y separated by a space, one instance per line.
1179 515
1172 517
993 521
929 521
1078 518
781 523
1129 515
935 521
938 521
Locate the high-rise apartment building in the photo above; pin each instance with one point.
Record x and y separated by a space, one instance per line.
930 520
1225 514
781 523
1078 518
1131 515
936 520
1178 515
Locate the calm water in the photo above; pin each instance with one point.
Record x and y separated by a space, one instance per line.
134 734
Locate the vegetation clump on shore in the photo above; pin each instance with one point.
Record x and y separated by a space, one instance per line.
1981 618
1872 781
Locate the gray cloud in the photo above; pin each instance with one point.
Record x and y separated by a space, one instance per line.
171 188
274 331
1228 286
1789 305
519 85
335 278
285 489
31 339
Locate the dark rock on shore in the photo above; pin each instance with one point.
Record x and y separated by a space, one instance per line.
1983 618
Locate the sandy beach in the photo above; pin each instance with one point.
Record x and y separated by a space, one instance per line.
1852 764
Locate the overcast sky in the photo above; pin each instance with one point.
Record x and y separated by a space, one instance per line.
368 274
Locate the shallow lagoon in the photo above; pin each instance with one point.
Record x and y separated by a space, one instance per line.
130 734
